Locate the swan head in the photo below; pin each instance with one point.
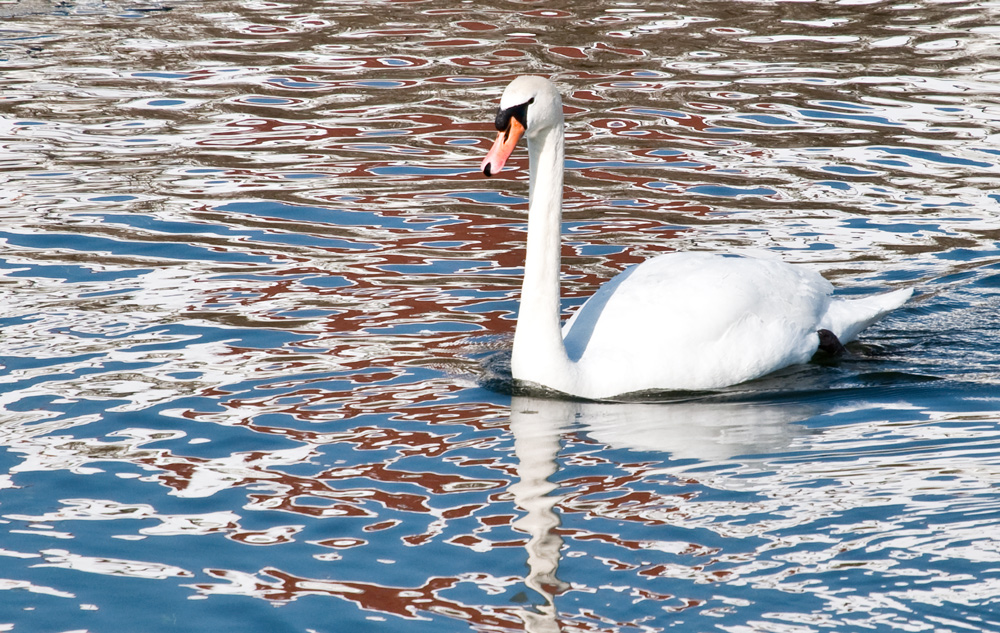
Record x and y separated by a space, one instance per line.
530 107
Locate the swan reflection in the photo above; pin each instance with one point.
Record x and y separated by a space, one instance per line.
696 430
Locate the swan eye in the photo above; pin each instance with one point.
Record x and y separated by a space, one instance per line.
519 112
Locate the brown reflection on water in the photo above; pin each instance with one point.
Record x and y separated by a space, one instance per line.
140 140
404 602
194 477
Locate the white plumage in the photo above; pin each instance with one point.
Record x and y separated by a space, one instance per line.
681 321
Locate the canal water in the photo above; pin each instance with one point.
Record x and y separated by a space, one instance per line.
255 290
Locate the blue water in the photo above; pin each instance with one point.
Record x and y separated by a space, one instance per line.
244 346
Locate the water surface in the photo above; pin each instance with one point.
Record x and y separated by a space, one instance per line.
250 272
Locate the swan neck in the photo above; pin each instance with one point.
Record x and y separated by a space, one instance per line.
539 354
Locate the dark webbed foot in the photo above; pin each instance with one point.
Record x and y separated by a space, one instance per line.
829 343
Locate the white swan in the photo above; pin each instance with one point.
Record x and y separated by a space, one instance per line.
680 321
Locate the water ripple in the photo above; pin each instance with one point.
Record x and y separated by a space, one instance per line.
250 271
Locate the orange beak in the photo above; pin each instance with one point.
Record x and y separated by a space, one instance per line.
502 148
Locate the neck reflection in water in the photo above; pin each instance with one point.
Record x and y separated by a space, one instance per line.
704 432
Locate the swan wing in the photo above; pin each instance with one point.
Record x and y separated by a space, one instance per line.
695 321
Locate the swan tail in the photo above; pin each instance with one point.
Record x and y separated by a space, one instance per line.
848 317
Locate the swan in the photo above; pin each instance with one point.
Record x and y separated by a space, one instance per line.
688 321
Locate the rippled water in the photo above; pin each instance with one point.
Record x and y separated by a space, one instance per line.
250 273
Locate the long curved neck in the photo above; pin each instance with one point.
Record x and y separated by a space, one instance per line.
539 354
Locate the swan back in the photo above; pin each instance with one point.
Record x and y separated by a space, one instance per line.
695 321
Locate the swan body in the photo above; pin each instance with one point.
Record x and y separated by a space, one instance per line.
680 321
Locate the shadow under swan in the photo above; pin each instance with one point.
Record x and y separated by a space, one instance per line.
698 430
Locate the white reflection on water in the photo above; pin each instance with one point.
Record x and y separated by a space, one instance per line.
245 252
807 495
110 566
698 430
